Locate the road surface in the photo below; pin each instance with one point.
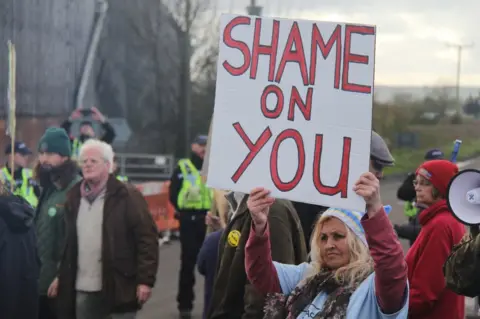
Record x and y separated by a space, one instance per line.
163 302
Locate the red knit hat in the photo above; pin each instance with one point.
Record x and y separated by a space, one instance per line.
439 173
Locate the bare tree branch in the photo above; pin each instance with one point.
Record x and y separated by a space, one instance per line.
204 66
187 13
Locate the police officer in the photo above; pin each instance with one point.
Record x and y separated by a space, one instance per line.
86 129
23 183
122 178
192 200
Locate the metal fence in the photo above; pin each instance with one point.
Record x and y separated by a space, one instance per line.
146 167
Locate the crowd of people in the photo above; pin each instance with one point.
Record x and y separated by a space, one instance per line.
78 242
271 258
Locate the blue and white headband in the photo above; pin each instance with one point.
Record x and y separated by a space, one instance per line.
352 219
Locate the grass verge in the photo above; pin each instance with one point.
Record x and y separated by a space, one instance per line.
407 160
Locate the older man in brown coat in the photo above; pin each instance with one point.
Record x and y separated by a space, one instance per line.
111 255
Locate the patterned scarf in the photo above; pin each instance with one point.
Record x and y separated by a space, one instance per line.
280 306
90 191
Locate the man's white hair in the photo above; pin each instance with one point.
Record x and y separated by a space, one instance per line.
104 148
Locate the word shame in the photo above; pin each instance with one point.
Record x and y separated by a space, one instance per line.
294 52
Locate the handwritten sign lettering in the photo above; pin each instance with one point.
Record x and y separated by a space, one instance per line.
293 108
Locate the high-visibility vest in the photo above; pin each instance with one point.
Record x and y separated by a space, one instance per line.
410 210
25 189
122 178
76 145
194 194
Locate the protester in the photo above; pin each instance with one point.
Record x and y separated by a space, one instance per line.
233 295
462 268
473 233
192 200
110 261
207 263
23 183
86 129
19 264
207 257
429 297
406 192
216 221
357 268
57 174
380 158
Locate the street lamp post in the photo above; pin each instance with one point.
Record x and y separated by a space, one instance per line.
459 48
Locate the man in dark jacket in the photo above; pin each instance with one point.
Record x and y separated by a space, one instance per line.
192 200
406 192
86 129
234 297
19 264
57 174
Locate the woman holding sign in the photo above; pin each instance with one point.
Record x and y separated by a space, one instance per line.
357 268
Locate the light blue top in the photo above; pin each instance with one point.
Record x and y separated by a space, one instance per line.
363 302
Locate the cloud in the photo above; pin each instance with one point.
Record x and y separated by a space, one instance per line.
412 35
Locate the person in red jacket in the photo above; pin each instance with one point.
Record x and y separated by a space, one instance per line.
429 297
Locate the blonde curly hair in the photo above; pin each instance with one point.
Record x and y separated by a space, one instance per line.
360 264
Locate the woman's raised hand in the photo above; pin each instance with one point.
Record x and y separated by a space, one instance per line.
368 186
258 204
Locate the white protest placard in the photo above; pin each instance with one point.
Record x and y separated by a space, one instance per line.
293 109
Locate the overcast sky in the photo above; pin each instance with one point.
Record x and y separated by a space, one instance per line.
411 34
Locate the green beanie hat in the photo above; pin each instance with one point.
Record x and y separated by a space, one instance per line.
55 140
